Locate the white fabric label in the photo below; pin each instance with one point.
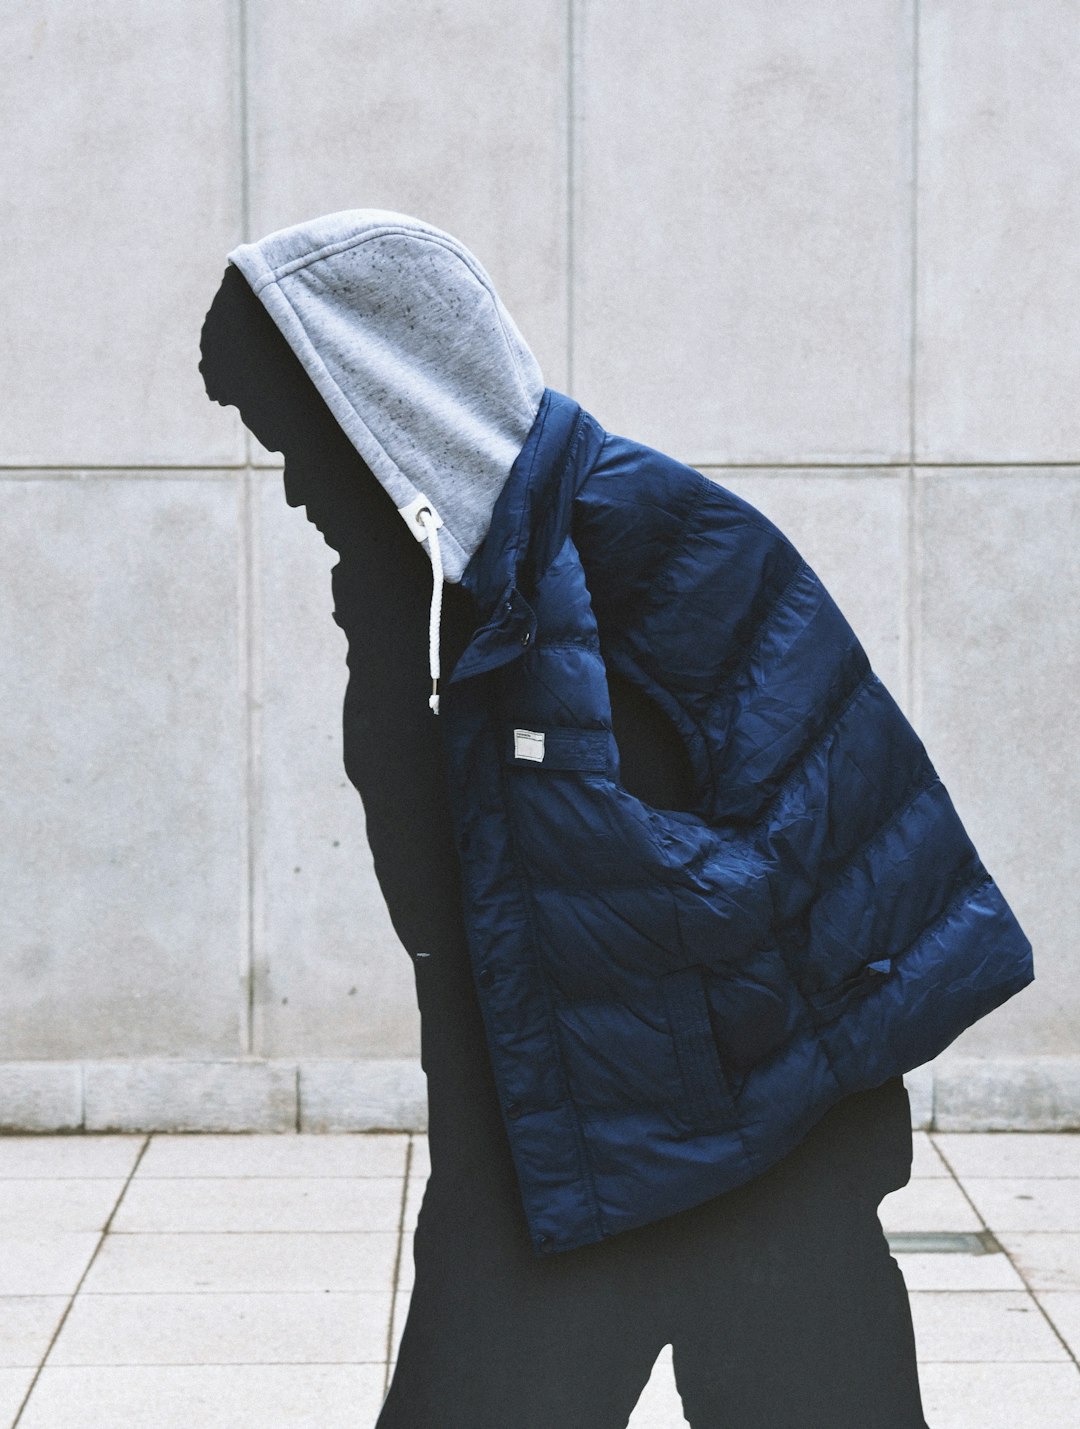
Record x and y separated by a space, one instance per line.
528 744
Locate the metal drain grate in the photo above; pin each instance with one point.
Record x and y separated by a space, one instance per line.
942 1242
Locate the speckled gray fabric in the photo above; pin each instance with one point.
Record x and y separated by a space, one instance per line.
404 336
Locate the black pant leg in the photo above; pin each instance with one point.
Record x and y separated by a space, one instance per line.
796 1314
497 1338
494 1340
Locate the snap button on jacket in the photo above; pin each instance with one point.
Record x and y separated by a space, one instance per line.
672 999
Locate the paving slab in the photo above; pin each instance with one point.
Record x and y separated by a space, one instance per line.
979 1325
1010 1153
401 1311
13 1386
313 1327
1000 1396
414 1197
32 1205
925 1158
420 1165
1063 1309
27 1325
284 1154
932 1271
206 1396
1029 1203
274 1262
1048 1260
405 1273
928 1204
659 1406
60 1157
254 1204
919 1083
236 1284
48 1263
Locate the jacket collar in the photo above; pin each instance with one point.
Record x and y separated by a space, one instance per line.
529 523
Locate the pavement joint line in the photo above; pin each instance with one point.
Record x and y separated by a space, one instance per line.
79 1284
395 1276
1005 1250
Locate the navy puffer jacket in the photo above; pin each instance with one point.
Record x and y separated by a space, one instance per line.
672 1000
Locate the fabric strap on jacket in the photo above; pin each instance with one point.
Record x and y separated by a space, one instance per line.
708 1097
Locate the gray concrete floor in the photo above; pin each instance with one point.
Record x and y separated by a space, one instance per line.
261 1282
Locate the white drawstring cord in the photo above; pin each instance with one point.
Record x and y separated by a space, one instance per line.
426 519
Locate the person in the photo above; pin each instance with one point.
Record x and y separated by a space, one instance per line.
781 1301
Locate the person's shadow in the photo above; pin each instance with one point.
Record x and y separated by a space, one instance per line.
780 1300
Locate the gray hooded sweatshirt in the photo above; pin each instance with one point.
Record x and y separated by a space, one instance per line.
402 332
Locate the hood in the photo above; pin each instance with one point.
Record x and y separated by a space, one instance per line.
406 340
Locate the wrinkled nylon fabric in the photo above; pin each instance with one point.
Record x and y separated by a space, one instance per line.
673 999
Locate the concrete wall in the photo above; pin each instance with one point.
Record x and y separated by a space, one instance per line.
826 251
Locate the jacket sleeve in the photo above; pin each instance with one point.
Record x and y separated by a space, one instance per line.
705 603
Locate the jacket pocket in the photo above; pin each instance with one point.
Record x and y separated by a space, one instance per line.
831 1001
707 1102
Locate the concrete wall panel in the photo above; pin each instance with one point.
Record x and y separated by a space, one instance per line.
120 193
121 738
998 364
741 259
996 673
454 113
